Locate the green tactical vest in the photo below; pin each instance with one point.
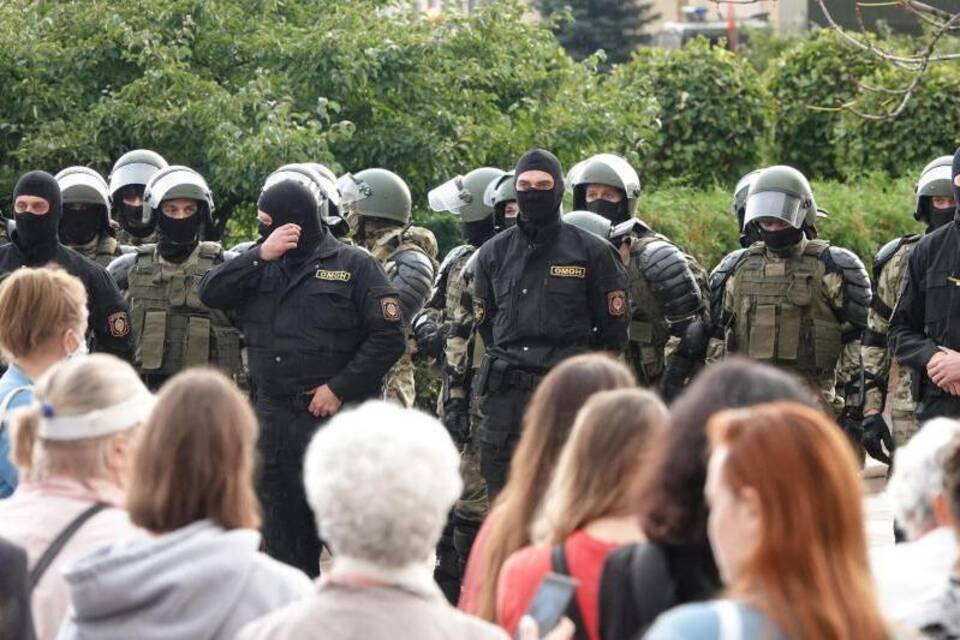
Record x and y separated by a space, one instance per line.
102 249
648 333
782 313
174 329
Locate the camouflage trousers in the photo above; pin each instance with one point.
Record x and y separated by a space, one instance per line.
902 405
399 385
473 505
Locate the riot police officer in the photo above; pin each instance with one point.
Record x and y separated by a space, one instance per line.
544 291
501 196
666 303
128 179
85 226
322 326
174 330
923 335
796 302
36 242
607 185
378 207
935 206
738 207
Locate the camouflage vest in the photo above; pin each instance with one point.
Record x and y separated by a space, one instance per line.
102 249
783 315
395 240
174 329
648 333
125 238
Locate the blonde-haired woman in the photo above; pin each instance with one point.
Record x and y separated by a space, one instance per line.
200 574
72 446
589 508
43 319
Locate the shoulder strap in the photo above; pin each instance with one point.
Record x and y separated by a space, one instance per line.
731 623
558 561
5 404
61 541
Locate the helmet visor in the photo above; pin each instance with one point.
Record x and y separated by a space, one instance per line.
937 183
352 189
134 173
775 204
450 196
608 169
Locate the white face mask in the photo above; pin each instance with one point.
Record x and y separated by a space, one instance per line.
82 348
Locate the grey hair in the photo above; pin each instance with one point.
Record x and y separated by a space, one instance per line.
918 475
380 480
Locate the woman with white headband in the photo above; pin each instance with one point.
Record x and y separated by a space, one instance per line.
73 446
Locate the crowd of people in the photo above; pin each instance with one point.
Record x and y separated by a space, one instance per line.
624 446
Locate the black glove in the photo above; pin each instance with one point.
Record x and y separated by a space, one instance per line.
851 421
876 436
456 418
675 376
430 338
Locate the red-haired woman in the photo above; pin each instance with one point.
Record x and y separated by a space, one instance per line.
786 527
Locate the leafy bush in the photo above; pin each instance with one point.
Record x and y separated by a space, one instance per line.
818 72
712 113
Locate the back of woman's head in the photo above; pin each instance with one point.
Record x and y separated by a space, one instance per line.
808 565
196 457
546 426
46 442
35 305
951 480
670 500
594 479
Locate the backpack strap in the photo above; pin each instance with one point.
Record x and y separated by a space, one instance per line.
730 620
61 541
558 562
5 404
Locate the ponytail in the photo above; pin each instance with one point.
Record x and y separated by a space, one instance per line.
24 427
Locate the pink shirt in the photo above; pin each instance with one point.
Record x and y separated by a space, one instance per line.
33 517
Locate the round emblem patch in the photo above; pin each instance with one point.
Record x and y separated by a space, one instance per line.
119 324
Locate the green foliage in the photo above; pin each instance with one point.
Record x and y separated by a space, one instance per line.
818 72
585 26
712 112
925 130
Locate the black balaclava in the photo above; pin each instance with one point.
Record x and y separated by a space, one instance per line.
131 217
953 177
936 218
615 212
478 232
38 236
540 208
177 238
291 202
781 241
500 219
81 223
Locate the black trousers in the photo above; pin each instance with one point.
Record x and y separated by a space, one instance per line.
499 434
289 529
940 405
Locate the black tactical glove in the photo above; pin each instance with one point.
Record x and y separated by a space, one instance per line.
876 436
430 337
851 419
456 418
675 376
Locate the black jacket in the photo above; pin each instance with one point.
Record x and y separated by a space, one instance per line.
927 314
109 314
16 621
334 320
540 301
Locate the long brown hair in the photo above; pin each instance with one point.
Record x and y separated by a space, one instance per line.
597 472
196 458
809 571
546 427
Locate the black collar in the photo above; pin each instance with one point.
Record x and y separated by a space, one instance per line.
540 235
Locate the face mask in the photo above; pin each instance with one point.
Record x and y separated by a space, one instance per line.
131 221
615 212
539 207
939 217
477 233
781 240
80 225
509 222
178 237
81 350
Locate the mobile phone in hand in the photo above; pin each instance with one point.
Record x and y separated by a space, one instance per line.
552 600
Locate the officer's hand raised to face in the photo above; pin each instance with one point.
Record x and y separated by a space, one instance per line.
282 239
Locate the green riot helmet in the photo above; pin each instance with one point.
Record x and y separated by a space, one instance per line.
375 193
307 176
464 195
86 205
176 182
331 206
738 207
127 181
783 193
501 194
590 221
935 181
609 170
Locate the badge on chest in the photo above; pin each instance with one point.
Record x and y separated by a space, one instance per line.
333 276
568 271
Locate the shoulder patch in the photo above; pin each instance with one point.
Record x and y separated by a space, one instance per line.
390 306
119 324
568 271
617 303
479 310
335 276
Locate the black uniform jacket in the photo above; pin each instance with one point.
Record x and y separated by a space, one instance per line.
541 299
109 313
332 320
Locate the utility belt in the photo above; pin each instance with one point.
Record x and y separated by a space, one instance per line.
497 375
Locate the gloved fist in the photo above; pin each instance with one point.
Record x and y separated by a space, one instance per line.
456 418
876 436
428 336
850 421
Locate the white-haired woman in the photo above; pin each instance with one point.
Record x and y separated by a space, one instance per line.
910 576
380 480
72 447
